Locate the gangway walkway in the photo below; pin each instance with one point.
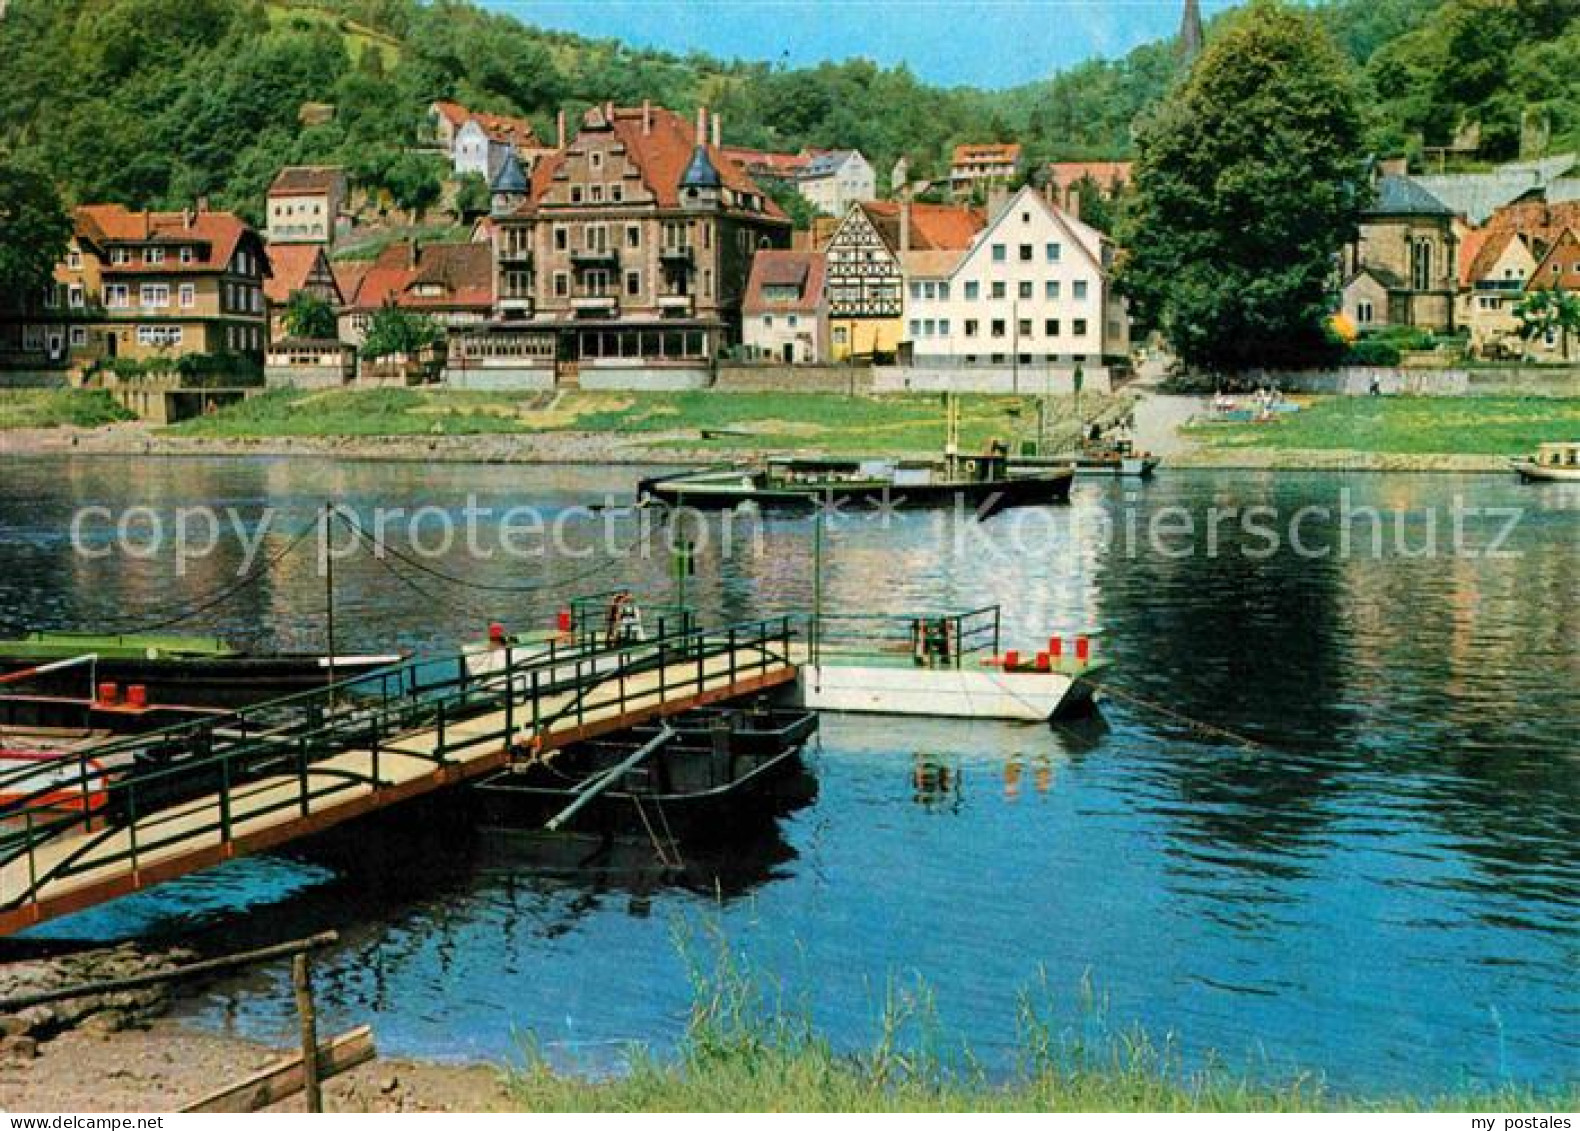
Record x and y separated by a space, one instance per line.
158 806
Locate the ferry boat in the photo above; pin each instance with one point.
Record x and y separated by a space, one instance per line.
987 484
1556 462
1118 461
189 670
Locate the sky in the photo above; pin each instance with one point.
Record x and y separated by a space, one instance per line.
983 43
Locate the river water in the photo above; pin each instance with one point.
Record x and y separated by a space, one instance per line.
1369 868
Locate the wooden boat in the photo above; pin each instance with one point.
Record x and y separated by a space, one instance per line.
190 670
703 778
986 484
1556 462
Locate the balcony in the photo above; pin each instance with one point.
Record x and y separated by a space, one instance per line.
590 257
675 306
516 256
596 304
676 257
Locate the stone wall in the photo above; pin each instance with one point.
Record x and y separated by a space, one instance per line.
1356 381
32 379
500 379
306 376
1030 380
742 377
637 378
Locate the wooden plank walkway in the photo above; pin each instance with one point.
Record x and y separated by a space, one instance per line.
188 837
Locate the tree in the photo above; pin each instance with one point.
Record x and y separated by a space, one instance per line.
34 230
308 316
1246 189
396 331
1547 312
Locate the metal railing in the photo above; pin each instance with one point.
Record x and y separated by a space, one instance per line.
124 783
943 639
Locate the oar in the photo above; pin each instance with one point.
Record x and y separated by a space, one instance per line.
647 750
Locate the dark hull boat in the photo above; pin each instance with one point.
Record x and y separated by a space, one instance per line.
191 671
984 485
709 776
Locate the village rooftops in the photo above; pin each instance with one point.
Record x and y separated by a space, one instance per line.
305 180
1405 196
497 127
1105 174
198 241
994 153
788 281
436 276
934 227
291 269
661 146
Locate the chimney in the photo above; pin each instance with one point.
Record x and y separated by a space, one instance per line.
905 223
413 253
608 112
702 125
186 218
559 123
1074 205
647 117
202 203
997 202
717 133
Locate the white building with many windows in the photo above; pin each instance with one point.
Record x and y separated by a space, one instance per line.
1031 299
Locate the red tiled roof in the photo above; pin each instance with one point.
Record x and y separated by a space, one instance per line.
214 236
934 227
777 268
662 155
777 164
349 274
294 180
1104 173
452 112
500 127
992 153
292 267
463 270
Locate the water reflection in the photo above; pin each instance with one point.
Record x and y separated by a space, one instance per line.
1384 886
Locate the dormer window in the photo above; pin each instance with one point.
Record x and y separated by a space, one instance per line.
153 255
595 160
74 259
186 255
120 256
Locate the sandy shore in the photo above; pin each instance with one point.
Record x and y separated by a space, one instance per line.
165 1066
1163 436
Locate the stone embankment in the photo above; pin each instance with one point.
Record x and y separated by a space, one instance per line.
22 1032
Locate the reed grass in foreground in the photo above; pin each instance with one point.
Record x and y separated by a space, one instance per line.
739 1056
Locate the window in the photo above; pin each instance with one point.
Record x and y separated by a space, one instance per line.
916 292
943 327
154 295
595 159
576 194
1050 327
120 256
1079 289
973 289
1025 253
1052 251
1364 313
998 328
1025 217
943 288
153 255
74 259
1050 290
117 296
633 283
633 235
595 194
916 327
998 289
79 336
841 335
159 336
1079 328
794 321
1025 327
562 237
1421 265
1025 290
929 327
617 193
186 255
971 327
562 284
74 296
930 290
998 253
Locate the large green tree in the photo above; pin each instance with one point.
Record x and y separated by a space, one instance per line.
308 316
1549 312
34 231
395 331
1246 188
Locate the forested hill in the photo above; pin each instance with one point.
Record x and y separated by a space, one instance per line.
156 102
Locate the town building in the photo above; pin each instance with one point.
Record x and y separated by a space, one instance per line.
865 276
1064 181
785 317
1403 268
1491 288
975 169
477 142
624 258
143 285
450 282
829 180
1559 267
294 269
304 204
1478 196
1026 303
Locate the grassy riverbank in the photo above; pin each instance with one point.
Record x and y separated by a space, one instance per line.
691 421
57 408
1398 426
737 1056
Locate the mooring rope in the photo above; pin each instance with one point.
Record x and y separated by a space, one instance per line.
1180 716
